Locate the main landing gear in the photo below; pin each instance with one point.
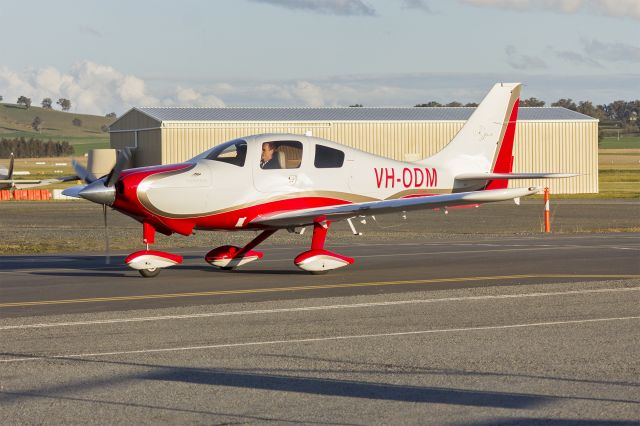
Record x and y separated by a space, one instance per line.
317 260
147 262
230 257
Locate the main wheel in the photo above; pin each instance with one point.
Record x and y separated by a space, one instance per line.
149 273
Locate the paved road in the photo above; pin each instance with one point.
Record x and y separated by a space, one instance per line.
526 354
35 285
482 331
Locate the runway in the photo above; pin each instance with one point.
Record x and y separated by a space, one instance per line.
38 285
475 331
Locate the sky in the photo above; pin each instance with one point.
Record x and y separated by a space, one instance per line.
111 56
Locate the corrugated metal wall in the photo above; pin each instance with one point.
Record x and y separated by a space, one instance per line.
559 146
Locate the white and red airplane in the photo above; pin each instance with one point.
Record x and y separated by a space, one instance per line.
284 181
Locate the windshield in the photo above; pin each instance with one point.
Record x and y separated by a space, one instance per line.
232 152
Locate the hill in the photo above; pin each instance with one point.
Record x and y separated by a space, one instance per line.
15 121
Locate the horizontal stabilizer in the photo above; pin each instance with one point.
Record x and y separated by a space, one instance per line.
489 176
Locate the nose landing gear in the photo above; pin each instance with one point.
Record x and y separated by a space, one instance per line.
147 262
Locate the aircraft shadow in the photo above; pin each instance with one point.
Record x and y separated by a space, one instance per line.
352 389
81 274
536 421
241 271
296 384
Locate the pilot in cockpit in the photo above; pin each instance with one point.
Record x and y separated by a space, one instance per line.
268 160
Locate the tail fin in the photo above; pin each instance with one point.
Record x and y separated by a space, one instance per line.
484 144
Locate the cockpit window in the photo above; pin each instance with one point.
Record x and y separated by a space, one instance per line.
233 152
328 158
281 155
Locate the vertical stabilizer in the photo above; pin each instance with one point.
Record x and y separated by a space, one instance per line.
484 144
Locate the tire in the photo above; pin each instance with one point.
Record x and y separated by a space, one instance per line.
149 273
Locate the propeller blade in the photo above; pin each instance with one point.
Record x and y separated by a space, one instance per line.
82 172
73 191
10 172
123 159
106 235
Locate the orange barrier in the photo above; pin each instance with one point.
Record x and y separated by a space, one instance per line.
29 195
5 195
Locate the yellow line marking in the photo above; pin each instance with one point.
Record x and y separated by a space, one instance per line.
304 288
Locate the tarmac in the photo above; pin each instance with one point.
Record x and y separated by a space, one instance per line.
484 330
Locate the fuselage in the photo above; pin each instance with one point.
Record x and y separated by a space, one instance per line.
226 187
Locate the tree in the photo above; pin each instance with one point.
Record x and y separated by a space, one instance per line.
36 123
471 104
429 105
454 104
104 128
111 115
532 102
65 104
77 122
565 103
23 100
1 97
587 108
355 106
46 103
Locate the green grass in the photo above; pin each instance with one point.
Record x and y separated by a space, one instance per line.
625 142
15 122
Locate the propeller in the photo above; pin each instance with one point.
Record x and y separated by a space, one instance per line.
83 173
123 159
102 190
10 171
107 259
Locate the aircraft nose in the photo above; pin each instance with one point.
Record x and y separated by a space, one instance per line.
99 193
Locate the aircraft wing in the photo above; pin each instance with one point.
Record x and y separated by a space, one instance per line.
489 176
309 216
28 183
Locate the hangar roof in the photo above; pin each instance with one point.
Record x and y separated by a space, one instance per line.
348 114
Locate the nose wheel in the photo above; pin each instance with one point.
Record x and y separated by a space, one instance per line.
149 273
147 262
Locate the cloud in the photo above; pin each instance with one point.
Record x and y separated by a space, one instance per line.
523 62
85 29
99 89
578 59
612 8
616 52
417 4
309 93
186 96
325 7
95 89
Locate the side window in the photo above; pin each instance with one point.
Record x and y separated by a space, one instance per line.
328 158
234 153
281 155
